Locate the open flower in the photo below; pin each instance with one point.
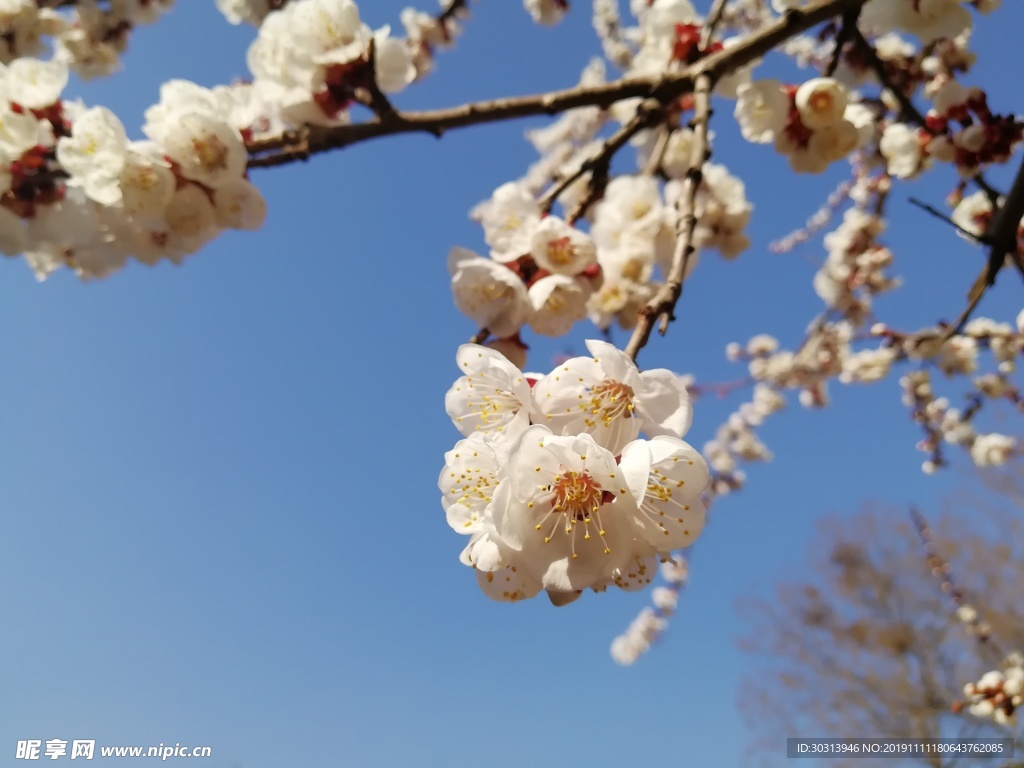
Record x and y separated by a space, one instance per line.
491 295
492 397
560 248
667 478
565 511
606 396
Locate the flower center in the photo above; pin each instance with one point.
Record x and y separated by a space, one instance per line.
211 153
609 400
821 102
561 252
577 495
576 499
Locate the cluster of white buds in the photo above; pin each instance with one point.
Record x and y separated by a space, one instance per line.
314 57
929 20
541 272
854 271
813 124
998 694
821 356
736 441
79 193
651 622
553 484
613 36
87 37
113 198
943 423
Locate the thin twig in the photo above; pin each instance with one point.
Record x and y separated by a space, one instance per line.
908 110
372 96
941 570
1001 237
712 21
455 8
599 163
664 302
847 27
945 219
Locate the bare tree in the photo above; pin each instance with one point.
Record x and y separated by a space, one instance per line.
868 644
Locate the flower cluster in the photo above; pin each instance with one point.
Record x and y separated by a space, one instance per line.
163 198
960 129
999 693
77 192
553 484
313 56
88 38
548 274
813 124
929 20
854 271
541 271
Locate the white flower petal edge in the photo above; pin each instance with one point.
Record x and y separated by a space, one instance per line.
671 514
468 482
489 294
492 397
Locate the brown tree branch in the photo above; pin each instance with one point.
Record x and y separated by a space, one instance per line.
664 302
846 32
293 146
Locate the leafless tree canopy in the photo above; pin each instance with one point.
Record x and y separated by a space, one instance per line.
866 644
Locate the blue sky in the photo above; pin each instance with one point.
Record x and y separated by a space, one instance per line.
218 482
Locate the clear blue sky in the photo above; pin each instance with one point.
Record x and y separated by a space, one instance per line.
218 482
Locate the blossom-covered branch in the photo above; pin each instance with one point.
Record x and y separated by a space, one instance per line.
310 140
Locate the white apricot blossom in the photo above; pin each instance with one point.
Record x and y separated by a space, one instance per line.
606 396
762 110
491 295
492 397
508 219
95 153
558 302
565 512
206 149
561 248
667 477
821 102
